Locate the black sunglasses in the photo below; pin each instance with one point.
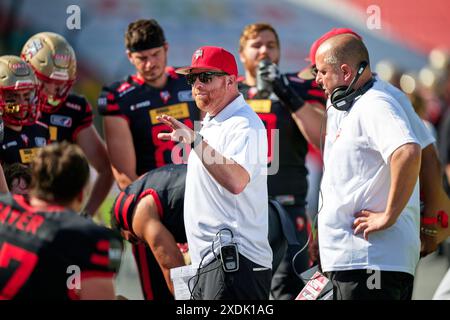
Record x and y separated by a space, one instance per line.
204 77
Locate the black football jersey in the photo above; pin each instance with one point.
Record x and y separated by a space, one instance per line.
45 254
22 146
140 104
290 180
166 185
69 119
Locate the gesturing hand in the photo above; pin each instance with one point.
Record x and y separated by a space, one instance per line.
368 221
180 132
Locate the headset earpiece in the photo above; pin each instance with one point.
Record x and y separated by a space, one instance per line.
338 93
343 97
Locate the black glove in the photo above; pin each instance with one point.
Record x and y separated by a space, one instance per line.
264 79
268 72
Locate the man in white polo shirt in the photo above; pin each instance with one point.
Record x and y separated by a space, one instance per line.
226 184
370 216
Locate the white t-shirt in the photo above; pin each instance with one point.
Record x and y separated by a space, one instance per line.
237 133
358 147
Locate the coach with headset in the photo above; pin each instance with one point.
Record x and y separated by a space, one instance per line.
369 224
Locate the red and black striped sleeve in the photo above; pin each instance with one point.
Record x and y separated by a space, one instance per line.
122 211
107 103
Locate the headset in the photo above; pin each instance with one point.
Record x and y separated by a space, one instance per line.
343 97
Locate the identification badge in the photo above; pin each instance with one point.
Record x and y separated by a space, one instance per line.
313 287
260 105
177 111
26 155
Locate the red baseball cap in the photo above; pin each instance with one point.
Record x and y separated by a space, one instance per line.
307 72
211 58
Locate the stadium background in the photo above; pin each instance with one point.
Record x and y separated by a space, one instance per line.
404 33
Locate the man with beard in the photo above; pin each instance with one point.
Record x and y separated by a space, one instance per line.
298 123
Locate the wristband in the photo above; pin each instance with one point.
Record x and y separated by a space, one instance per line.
427 221
441 218
198 140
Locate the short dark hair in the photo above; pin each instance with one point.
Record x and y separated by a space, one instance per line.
144 34
16 171
59 172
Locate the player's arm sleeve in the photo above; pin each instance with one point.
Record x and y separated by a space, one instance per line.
108 102
122 212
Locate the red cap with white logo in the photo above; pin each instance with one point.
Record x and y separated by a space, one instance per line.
210 58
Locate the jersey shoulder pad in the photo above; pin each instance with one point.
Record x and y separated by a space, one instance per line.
78 103
170 70
108 101
308 89
123 207
93 247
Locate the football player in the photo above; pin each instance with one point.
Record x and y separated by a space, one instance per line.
294 108
68 115
23 134
47 250
130 107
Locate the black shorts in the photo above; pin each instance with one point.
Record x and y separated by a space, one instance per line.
250 282
371 285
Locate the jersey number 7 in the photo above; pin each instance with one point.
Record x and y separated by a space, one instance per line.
10 283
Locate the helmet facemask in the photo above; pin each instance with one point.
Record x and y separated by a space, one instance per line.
59 90
19 105
18 92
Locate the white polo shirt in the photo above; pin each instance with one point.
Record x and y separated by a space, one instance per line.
358 147
237 133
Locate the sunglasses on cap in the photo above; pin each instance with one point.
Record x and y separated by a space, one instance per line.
204 77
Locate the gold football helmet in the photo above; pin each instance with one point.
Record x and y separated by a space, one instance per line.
18 92
55 65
